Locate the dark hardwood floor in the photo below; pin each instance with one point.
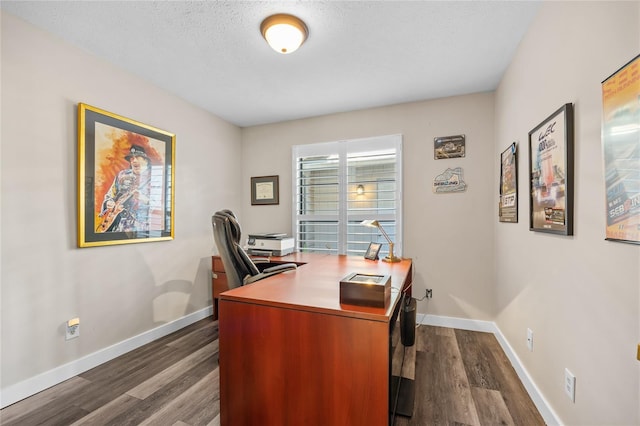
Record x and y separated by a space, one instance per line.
465 378
461 378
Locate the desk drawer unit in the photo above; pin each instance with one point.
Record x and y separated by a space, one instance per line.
292 354
293 367
218 282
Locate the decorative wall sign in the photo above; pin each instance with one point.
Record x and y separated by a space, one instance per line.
125 180
264 190
448 147
551 173
451 180
621 147
508 208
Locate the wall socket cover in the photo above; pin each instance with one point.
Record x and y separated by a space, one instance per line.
72 328
530 339
570 385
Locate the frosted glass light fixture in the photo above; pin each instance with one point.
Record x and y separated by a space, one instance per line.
284 33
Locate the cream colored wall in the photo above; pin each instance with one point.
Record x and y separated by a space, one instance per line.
449 236
579 294
117 291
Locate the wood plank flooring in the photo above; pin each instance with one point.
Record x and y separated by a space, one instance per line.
461 378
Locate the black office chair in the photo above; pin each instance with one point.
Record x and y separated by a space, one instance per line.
238 266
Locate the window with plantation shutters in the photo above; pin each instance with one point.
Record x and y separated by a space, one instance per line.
337 185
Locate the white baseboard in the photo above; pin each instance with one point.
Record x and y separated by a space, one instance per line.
29 387
547 413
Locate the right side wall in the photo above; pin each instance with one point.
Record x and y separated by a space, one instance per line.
579 294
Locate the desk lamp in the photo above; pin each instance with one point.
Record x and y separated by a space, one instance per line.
376 224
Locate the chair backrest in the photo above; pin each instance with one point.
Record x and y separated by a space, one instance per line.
227 235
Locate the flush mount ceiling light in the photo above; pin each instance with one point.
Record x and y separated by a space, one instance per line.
284 33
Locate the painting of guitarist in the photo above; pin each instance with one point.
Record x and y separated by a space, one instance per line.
130 174
126 173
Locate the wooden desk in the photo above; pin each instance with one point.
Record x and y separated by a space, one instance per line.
291 354
219 282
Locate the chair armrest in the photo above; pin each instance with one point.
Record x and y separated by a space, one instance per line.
284 267
262 266
280 267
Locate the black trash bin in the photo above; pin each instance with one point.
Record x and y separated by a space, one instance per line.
408 321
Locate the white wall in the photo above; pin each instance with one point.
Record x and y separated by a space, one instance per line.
579 294
117 291
448 236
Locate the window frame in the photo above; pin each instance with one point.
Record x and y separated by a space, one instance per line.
342 148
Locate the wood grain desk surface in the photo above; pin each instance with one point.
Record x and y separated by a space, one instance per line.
315 285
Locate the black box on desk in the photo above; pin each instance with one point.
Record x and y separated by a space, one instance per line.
365 290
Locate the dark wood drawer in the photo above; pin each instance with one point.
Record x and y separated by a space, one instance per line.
219 283
217 264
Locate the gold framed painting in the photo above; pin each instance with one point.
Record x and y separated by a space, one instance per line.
125 180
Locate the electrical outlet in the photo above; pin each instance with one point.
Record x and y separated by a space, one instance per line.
72 328
429 293
530 339
570 385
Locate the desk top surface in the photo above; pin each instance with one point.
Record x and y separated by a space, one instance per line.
315 285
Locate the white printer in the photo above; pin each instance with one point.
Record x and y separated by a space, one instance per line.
272 244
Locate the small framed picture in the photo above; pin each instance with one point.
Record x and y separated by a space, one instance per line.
448 147
264 190
372 251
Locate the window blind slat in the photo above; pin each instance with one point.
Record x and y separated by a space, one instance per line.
344 183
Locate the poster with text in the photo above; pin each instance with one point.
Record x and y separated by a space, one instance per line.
508 209
551 173
621 149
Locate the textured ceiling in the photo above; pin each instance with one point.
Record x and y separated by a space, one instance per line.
359 54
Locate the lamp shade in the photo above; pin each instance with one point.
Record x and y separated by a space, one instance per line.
370 223
284 33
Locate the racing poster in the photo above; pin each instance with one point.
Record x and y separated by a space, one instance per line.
551 173
508 208
621 149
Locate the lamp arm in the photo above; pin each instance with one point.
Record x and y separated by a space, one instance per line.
391 257
384 234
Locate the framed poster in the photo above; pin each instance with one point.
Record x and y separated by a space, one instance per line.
551 173
264 190
125 180
621 149
448 147
508 207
